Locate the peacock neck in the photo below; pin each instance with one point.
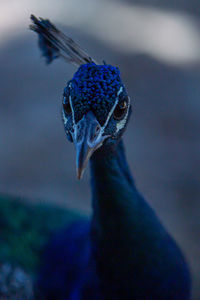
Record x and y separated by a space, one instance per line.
121 220
109 170
130 245
117 205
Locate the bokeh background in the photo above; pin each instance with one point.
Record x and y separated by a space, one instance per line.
156 44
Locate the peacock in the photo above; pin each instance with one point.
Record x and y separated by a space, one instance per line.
123 251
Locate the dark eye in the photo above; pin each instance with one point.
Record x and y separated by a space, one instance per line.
67 106
120 110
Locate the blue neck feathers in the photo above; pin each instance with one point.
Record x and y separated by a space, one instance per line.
135 256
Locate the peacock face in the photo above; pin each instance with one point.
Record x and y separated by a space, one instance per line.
96 109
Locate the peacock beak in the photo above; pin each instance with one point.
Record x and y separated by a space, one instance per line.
88 137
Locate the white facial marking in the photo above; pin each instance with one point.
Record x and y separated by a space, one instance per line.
64 117
73 117
70 101
122 123
97 143
119 92
112 109
100 137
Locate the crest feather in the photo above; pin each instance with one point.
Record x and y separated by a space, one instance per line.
53 43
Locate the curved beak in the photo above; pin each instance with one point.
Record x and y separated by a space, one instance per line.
88 137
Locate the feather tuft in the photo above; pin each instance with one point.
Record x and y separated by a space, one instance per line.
53 43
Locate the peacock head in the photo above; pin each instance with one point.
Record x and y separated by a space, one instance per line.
96 109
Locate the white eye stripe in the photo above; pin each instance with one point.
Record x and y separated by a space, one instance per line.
122 123
64 117
70 102
109 115
120 91
112 109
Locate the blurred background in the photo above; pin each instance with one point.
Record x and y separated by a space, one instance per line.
156 45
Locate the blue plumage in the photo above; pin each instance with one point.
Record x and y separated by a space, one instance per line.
95 87
67 271
136 258
124 252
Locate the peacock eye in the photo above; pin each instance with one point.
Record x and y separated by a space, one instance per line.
120 110
67 107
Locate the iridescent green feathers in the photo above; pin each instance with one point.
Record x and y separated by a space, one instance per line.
25 229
